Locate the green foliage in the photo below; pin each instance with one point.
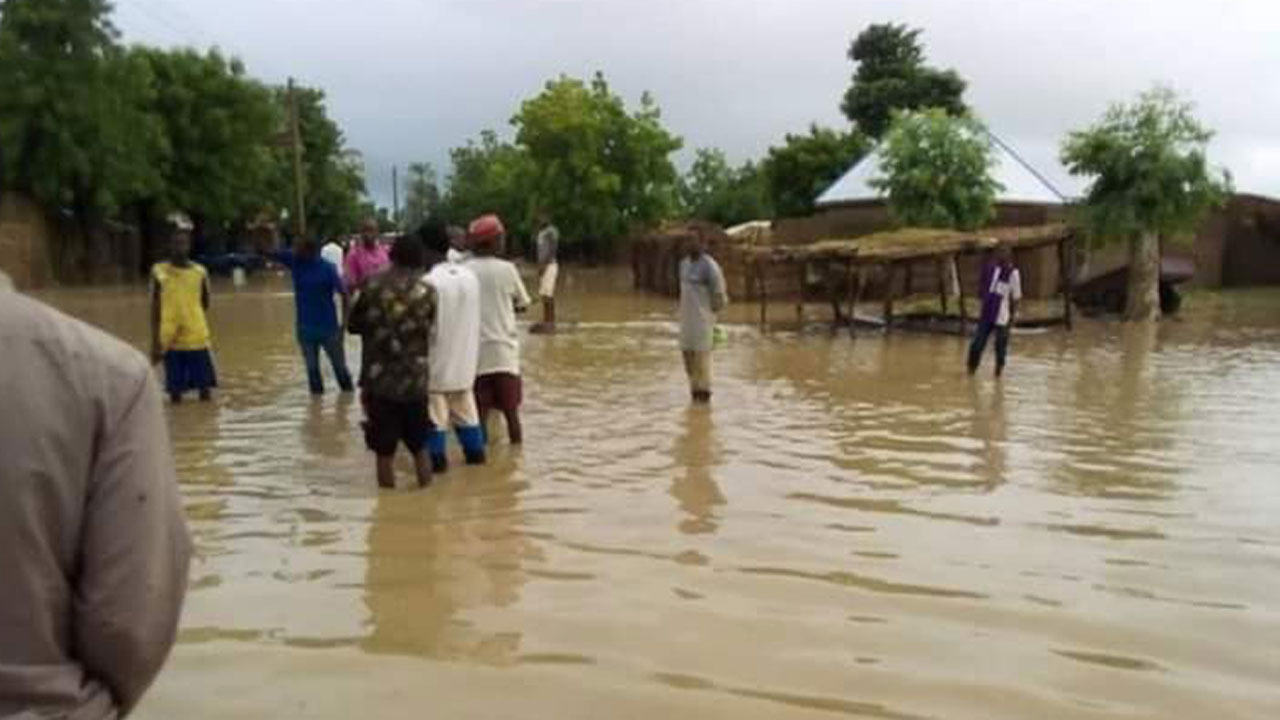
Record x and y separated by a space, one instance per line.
892 76
71 108
333 173
713 190
216 163
937 170
1149 169
805 165
421 195
489 176
599 170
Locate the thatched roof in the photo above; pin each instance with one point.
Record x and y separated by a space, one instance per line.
912 243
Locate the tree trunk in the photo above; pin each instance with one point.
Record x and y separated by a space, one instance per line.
1144 278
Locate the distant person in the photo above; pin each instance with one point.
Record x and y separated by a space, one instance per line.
702 295
333 252
455 351
459 251
179 319
502 296
366 258
315 283
395 314
548 248
1001 291
94 548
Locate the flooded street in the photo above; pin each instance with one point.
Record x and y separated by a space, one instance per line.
855 528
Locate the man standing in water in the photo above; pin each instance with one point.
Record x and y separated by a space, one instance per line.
548 247
395 314
455 351
179 323
315 282
1001 291
366 258
93 542
702 295
502 295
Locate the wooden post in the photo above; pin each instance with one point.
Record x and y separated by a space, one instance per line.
804 280
295 136
764 297
833 294
853 309
908 285
1067 249
890 273
941 267
964 312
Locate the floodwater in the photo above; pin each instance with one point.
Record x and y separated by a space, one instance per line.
854 529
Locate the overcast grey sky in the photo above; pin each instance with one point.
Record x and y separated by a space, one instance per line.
408 79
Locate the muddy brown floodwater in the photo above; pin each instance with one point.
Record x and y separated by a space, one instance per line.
855 528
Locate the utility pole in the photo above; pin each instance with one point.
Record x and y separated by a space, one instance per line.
295 133
395 195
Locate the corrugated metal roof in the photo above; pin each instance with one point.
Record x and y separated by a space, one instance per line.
1021 182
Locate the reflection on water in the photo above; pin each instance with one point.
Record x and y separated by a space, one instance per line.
854 528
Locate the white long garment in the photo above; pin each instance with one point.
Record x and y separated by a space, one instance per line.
1010 289
455 341
333 253
702 295
501 293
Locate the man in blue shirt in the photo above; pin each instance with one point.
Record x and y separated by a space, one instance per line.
315 282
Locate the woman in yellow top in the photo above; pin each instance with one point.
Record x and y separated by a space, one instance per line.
179 327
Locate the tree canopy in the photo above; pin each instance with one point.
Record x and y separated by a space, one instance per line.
421 195
1149 168
892 76
937 170
803 166
715 191
489 176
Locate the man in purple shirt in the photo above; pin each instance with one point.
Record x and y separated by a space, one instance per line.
366 258
1000 289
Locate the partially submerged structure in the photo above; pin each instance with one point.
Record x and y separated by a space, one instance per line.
897 257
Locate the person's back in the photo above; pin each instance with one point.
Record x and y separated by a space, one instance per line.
93 545
501 292
456 342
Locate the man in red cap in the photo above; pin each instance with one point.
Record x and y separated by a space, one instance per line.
502 295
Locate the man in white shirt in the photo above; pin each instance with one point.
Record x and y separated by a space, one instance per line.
548 248
455 351
502 295
333 252
1001 288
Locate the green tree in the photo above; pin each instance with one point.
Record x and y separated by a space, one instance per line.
333 173
892 76
421 195
715 191
600 170
72 109
804 165
489 176
1151 181
218 129
937 170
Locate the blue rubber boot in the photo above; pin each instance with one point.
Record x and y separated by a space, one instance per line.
436 449
471 438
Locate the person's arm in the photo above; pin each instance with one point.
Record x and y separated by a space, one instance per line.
134 550
336 281
285 257
205 295
519 296
157 352
719 296
1015 294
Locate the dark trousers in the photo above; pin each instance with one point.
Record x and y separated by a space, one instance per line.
979 345
337 353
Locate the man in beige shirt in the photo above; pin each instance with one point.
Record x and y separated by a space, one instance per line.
93 546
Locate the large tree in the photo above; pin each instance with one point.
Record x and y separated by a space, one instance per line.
489 176
892 76
600 170
72 109
333 174
714 190
804 165
218 128
937 170
421 195
1151 181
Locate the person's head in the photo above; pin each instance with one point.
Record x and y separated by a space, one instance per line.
486 235
544 218
694 246
435 240
369 232
458 238
407 253
180 245
306 248
1004 255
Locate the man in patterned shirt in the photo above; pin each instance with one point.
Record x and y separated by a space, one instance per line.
395 314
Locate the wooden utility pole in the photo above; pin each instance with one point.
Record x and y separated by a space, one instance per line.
395 195
295 133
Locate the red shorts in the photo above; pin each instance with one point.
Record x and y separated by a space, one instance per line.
499 391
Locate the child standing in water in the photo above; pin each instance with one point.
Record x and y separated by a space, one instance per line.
179 324
1001 291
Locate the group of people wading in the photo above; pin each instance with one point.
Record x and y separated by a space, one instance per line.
436 314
